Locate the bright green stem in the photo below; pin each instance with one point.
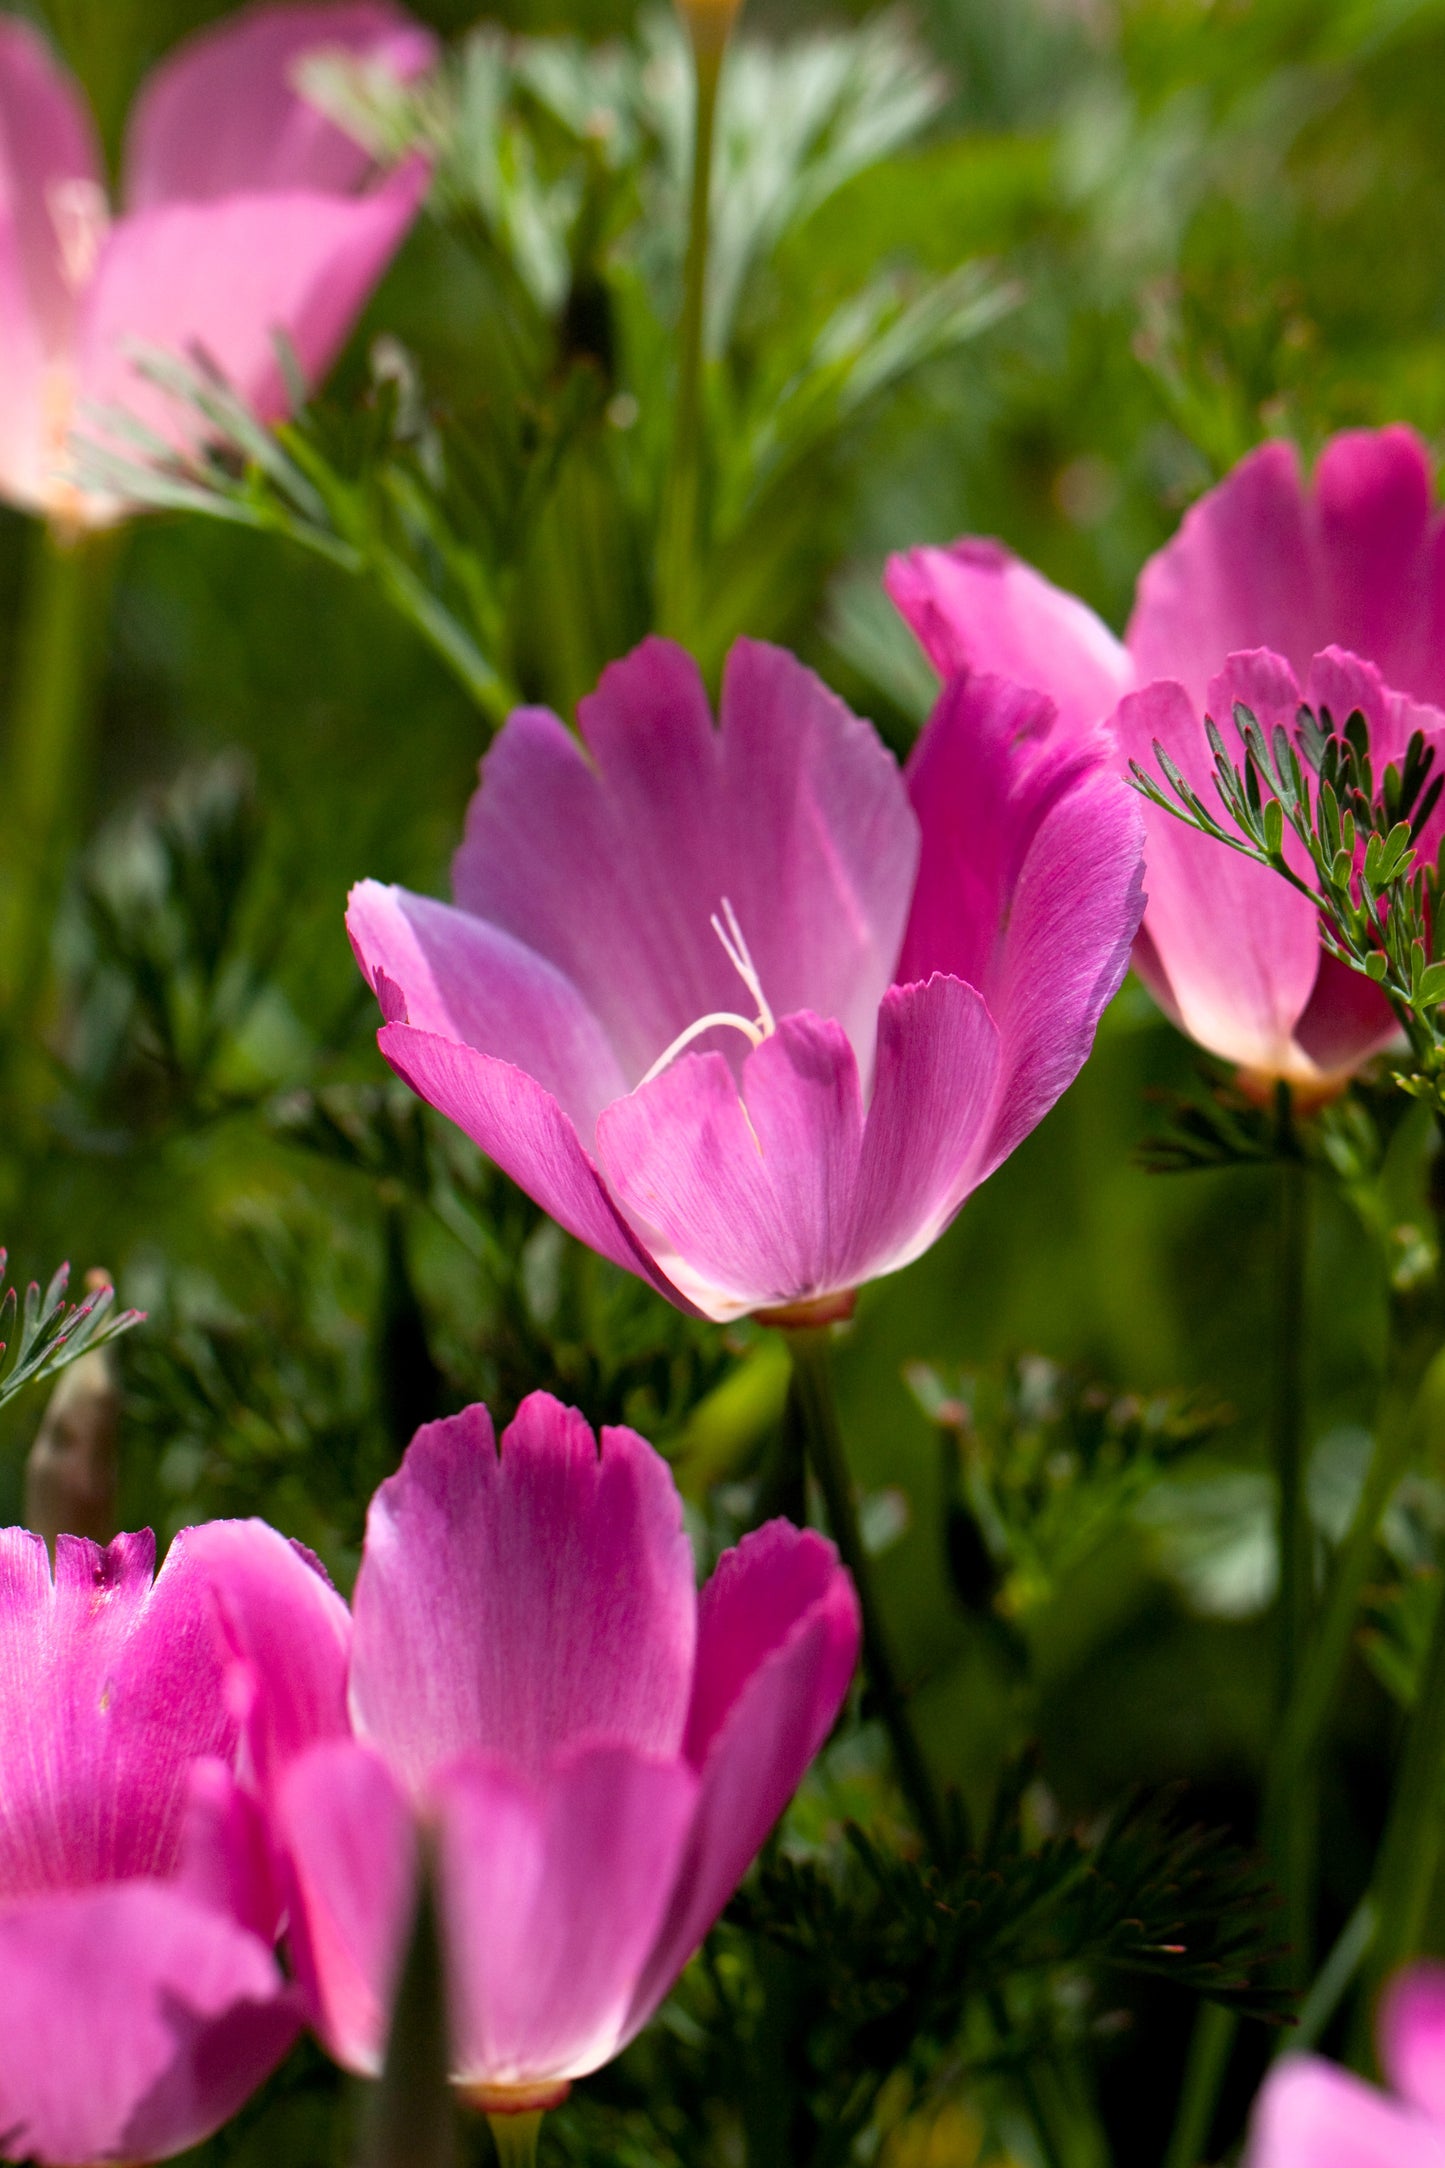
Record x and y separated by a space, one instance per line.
1290 1809
1410 1848
1287 1433
1332 1982
515 2138
1209 2052
1291 1767
677 542
1291 1816
817 1410
50 745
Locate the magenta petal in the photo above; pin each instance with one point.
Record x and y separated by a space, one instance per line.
227 1859
51 199
287 1634
976 608
1345 1021
613 867
1412 2038
1343 683
936 1088
1311 2115
223 279
108 1688
351 1844
133 2023
777 1645
464 979
1242 572
1030 887
759 1593
1239 948
552 1896
221 115
753 1195
512 1604
1383 595
520 1125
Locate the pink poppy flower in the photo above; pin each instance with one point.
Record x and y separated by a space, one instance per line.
1310 2114
244 213
140 1999
736 1005
1271 592
529 1677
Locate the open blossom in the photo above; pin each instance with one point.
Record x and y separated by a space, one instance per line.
244 213
1311 2114
735 1004
1271 593
529 1677
140 1999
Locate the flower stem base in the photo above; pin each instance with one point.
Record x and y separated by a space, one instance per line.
515 2131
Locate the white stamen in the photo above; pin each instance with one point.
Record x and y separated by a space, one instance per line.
754 1030
739 955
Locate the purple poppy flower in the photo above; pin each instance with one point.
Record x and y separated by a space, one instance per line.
1271 593
737 1004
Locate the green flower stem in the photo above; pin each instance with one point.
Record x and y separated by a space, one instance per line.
50 749
1291 1816
515 2138
1209 2053
677 543
1287 1438
1332 1983
817 1411
1414 1383
1289 1809
1409 1854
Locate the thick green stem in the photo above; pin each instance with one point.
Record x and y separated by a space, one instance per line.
677 541
1409 1854
817 1412
515 2138
50 745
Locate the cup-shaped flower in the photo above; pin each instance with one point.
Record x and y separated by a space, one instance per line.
140 1999
244 214
1272 592
736 1004
594 1753
1311 2114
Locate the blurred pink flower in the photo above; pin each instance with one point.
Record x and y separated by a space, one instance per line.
1270 593
245 213
1310 2114
140 2000
736 1005
530 1677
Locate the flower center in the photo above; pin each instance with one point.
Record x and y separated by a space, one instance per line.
754 1029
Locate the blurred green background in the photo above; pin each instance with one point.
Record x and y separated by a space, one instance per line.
1218 222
